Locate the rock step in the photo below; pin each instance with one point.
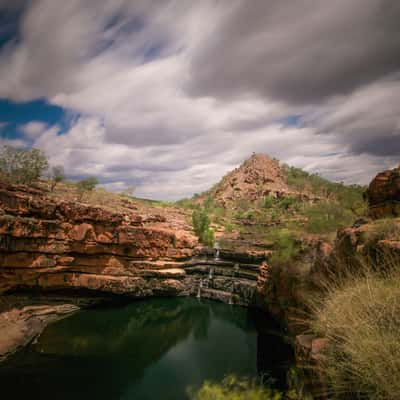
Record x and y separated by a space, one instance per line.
221 263
212 294
223 272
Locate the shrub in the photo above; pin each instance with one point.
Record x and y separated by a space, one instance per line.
22 165
286 246
327 216
233 388
287 202
57 175
86 185
186 203
201 226
268 201
360 317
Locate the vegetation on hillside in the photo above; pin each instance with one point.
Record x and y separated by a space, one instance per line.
23 166
320 208
359 314
56 176
201 226
85 186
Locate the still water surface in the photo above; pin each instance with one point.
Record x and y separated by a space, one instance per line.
147 350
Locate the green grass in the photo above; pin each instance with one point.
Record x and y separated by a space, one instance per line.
328 216
359 314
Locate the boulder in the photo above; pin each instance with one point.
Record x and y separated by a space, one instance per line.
383 194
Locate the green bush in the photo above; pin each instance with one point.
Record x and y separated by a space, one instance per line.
187 204
201 226
85 186
268 201
233 388
359 315
327 216
286 245
22 165
289 202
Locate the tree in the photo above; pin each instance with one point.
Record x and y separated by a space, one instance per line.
22 165
201 226
57 175
86 185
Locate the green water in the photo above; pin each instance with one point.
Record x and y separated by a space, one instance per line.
146 350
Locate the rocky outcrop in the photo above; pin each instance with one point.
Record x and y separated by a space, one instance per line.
52 245
55 246
283 289
383 194
19 326
257 177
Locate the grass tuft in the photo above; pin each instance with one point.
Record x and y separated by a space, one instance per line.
359 314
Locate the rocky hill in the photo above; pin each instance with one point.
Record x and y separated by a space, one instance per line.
258 177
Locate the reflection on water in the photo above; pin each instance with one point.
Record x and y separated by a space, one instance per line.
146 350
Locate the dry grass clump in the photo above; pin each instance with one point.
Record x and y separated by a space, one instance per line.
360 316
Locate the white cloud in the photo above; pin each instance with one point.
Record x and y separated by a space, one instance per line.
33 129
125 66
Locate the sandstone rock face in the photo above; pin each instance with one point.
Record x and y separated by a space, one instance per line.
384 194
65 245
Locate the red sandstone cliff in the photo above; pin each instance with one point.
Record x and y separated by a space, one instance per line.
45 243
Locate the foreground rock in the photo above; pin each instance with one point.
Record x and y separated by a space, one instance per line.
19 326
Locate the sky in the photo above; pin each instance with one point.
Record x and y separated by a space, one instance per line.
170 95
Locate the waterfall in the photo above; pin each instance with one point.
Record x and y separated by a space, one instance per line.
211 273
235 270
199 288
216 251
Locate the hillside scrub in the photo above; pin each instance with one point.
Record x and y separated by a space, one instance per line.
328 216
201 226
23 166
286 245
359 314
56 176
85 186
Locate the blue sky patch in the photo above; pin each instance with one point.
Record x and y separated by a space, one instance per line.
291 120
15 114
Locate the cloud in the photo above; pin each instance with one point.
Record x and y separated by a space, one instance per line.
173 94
299 52
33 129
